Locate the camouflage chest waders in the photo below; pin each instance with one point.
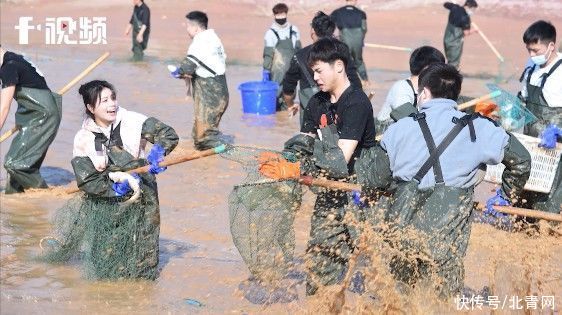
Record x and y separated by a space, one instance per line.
121 241
453 41
39 114
431 227
210 96
536 104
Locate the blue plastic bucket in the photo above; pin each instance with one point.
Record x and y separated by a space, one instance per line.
259 97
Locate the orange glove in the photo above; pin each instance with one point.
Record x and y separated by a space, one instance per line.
274 166
487 109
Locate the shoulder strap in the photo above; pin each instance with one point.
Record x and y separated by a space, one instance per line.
202 64
460 123
437 172
546 75
276 34
413 90
525 71
306 73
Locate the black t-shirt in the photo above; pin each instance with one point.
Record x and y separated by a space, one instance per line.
352 113
348 17
143 15
17 71
458 16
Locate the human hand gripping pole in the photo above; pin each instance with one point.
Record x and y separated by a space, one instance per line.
155 156
275 166
496 200
170 160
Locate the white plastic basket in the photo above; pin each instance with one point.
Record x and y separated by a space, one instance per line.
544 163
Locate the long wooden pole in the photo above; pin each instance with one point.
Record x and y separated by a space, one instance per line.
485 38
65 89
9 133
388 47
84 73
168 161
475 101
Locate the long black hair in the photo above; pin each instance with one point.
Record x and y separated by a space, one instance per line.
91 93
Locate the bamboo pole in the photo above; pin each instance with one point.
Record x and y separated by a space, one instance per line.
170 160
475 101
485 38
9 133
389 47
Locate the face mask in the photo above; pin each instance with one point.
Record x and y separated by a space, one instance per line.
540 59
469 12
281 21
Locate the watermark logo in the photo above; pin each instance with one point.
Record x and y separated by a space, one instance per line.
476 302
65 30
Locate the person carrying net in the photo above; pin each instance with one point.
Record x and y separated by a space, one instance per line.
337 141
118 218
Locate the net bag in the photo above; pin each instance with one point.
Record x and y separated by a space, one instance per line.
513 115
261 213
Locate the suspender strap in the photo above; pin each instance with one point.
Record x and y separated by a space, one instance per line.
202 64
276 34
413 90
437 172
434 156
525 71
546 75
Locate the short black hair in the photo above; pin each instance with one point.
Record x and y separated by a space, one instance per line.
323 25
471 4
540 31
422 57
442 80
91 93
328 49
199 18
280 8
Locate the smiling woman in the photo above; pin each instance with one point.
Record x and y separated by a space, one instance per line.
121 239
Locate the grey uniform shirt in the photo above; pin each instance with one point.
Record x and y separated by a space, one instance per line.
407 150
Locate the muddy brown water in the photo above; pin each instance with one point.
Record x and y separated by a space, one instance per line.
198 259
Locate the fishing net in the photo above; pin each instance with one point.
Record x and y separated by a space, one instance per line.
513 115
261 214
112 239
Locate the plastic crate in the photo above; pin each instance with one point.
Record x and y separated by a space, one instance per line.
544 163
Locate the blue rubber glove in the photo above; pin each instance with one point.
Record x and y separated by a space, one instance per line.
155 156
266 75
497 200
121 189
549 136
174 71
356 196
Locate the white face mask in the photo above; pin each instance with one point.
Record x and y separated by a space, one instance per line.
540 59
469 12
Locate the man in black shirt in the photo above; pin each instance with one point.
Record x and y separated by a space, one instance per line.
300 73
38 114
458 26
337 141
352 24
140 24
